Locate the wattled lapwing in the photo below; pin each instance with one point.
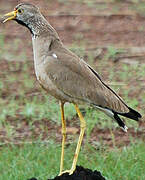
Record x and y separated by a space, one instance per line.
67 77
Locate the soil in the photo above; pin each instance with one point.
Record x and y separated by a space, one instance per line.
79 174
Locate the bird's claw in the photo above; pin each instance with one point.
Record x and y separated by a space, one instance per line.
66 171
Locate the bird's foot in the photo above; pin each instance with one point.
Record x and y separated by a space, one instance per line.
67 171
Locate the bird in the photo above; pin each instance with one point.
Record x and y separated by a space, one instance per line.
67 77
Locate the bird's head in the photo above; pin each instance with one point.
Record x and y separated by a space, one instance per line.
27 15
23 13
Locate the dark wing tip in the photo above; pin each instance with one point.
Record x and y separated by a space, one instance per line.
120 122
132 114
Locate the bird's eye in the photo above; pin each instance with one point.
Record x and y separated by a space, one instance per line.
20 11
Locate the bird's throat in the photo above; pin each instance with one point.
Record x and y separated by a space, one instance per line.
23 24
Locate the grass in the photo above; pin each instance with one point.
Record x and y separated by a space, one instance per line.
139 8
41 161
112 52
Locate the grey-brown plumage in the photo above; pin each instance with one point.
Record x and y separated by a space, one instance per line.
63 74
66 76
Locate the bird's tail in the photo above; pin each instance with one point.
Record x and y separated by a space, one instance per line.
132 114
120 122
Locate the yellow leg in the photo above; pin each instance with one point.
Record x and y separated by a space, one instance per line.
63 136
82 126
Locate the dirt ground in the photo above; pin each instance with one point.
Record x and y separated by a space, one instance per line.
79 174
100 25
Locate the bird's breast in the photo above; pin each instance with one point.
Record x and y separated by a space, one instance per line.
48 85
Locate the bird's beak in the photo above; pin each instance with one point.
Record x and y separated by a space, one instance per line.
12 15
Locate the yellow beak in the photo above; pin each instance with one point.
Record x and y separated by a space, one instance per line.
11 15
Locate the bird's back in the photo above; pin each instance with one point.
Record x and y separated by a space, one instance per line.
74 77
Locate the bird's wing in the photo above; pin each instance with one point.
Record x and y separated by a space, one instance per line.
77 79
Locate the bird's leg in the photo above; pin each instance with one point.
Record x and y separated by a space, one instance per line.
82 127
63 136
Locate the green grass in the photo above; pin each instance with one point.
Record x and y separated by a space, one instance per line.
42 161
112 52
139 7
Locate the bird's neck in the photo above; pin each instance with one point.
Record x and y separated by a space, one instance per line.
39 26
44 39
43 45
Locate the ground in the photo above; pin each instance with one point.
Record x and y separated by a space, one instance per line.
109 35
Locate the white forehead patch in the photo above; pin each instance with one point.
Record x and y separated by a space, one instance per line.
54 55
